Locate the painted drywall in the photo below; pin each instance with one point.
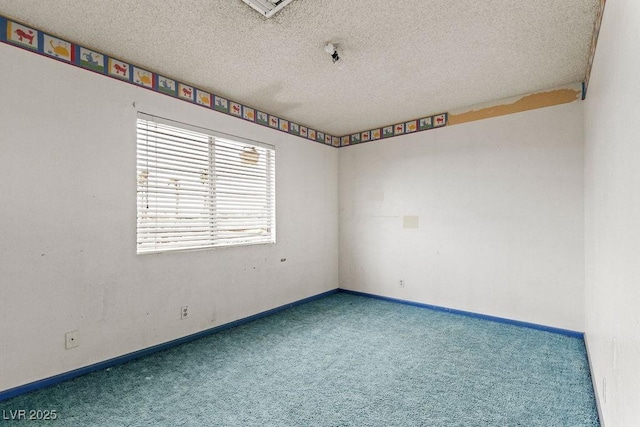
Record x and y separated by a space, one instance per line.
612 220
67 220
500 217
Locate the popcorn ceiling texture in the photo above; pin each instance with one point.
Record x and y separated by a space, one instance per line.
401 59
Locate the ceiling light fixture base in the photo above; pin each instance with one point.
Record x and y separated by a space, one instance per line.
332 49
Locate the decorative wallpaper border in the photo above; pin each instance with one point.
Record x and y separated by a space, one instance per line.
17 34
417 125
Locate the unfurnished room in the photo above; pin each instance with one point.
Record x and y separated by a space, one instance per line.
320 213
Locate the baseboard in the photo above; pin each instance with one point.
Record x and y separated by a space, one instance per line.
566 332
22 389
594 382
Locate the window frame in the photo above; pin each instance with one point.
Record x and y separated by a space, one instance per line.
215 145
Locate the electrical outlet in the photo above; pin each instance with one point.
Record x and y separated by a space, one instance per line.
71 339
184 312
401 283
604 389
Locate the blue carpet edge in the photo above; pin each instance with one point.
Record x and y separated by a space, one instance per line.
26 388
560 331
46 382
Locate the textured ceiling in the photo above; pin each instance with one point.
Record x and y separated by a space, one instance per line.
401 59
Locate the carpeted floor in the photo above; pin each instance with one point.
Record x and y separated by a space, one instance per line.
343 360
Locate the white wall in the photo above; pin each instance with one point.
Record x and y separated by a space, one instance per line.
67 225
612 202
500 207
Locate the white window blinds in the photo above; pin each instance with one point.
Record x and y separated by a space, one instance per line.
198 188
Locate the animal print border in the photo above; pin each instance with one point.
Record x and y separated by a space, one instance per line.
417 125
20 35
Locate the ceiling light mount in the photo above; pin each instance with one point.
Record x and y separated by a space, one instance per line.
332 49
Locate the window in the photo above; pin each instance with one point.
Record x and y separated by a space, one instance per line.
200 189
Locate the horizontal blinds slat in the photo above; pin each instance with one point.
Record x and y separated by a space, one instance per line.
172 242
164 161
204 237
205 227
150 147
167 214
154 235
220 243
179 235
199 183
195 204
185 141
203 232
168 220
172 132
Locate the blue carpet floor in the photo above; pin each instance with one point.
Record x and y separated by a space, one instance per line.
343 360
